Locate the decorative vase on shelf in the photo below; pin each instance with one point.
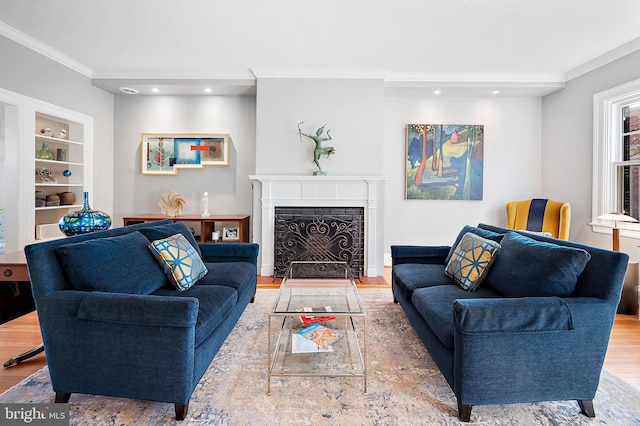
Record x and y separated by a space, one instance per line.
84 220
44 153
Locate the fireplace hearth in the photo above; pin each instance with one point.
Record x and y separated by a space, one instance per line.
319 234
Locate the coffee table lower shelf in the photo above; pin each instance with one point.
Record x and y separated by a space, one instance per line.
348 358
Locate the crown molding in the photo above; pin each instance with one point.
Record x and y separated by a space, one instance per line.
174 74
319 73
613 55
475 79
41 48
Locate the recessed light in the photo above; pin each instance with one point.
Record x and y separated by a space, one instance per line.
208 90
437 92
155 90
495 92
128 90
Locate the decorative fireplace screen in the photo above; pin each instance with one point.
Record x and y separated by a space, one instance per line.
319 234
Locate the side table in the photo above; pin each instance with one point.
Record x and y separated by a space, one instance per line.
13 267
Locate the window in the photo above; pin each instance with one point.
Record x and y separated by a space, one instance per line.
628 169
616 156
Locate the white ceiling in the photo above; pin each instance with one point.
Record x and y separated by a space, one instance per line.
453 44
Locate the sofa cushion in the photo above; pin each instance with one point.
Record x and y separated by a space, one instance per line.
471 260
179 259
120 264
239 275
158 232
215 303
435 305
527 268
410 276
484 233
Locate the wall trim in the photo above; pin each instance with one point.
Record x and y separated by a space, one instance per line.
41 48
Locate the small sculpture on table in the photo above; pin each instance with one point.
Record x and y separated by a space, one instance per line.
171 204
319 150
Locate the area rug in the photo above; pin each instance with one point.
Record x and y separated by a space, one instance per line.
404 387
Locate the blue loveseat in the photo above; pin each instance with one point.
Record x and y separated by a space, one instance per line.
112 323
520 336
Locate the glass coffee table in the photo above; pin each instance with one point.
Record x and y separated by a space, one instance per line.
323 294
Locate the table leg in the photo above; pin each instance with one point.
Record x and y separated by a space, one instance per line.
24 356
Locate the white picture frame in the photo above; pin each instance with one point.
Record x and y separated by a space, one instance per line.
230 234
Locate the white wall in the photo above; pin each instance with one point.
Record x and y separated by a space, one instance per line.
511 165
228 186
567 155
351 108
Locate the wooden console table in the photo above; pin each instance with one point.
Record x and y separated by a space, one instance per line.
207 225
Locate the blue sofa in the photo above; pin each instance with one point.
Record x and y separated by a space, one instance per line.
518 337
112 323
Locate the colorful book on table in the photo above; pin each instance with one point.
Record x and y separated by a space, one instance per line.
312 319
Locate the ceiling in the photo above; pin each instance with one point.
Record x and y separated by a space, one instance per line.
458 46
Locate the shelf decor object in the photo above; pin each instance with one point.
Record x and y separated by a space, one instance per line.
165 154
616 217
171 204
84 220
44 153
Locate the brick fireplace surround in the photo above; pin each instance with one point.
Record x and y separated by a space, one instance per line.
319 191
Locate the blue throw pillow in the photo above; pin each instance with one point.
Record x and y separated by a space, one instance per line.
489 235
157 232
530 268
120 264
471 260
179 261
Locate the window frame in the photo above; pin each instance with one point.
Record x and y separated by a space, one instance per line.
608 155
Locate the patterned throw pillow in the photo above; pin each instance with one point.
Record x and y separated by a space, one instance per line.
471 260
179 259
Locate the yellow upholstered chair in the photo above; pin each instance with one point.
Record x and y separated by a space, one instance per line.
540 215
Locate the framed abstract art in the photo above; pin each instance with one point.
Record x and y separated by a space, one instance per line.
444 161
165 154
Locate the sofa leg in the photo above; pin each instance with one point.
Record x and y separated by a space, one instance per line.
586 407
253 299
464 412
181 410
62 397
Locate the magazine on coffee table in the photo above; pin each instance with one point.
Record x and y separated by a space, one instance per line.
321 335
302 345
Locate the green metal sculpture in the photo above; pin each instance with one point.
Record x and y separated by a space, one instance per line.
319 150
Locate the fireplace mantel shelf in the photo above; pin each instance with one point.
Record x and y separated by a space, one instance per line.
263 178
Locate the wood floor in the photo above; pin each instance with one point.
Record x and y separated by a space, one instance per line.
22 334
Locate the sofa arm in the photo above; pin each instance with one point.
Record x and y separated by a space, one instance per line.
511 315
419 254
229 252
143 310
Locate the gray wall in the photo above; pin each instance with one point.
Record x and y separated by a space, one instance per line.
28 73
567 154
228 186
31 74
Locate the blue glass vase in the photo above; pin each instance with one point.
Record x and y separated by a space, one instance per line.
84 220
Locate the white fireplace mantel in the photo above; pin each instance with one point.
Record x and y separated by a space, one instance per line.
322 191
